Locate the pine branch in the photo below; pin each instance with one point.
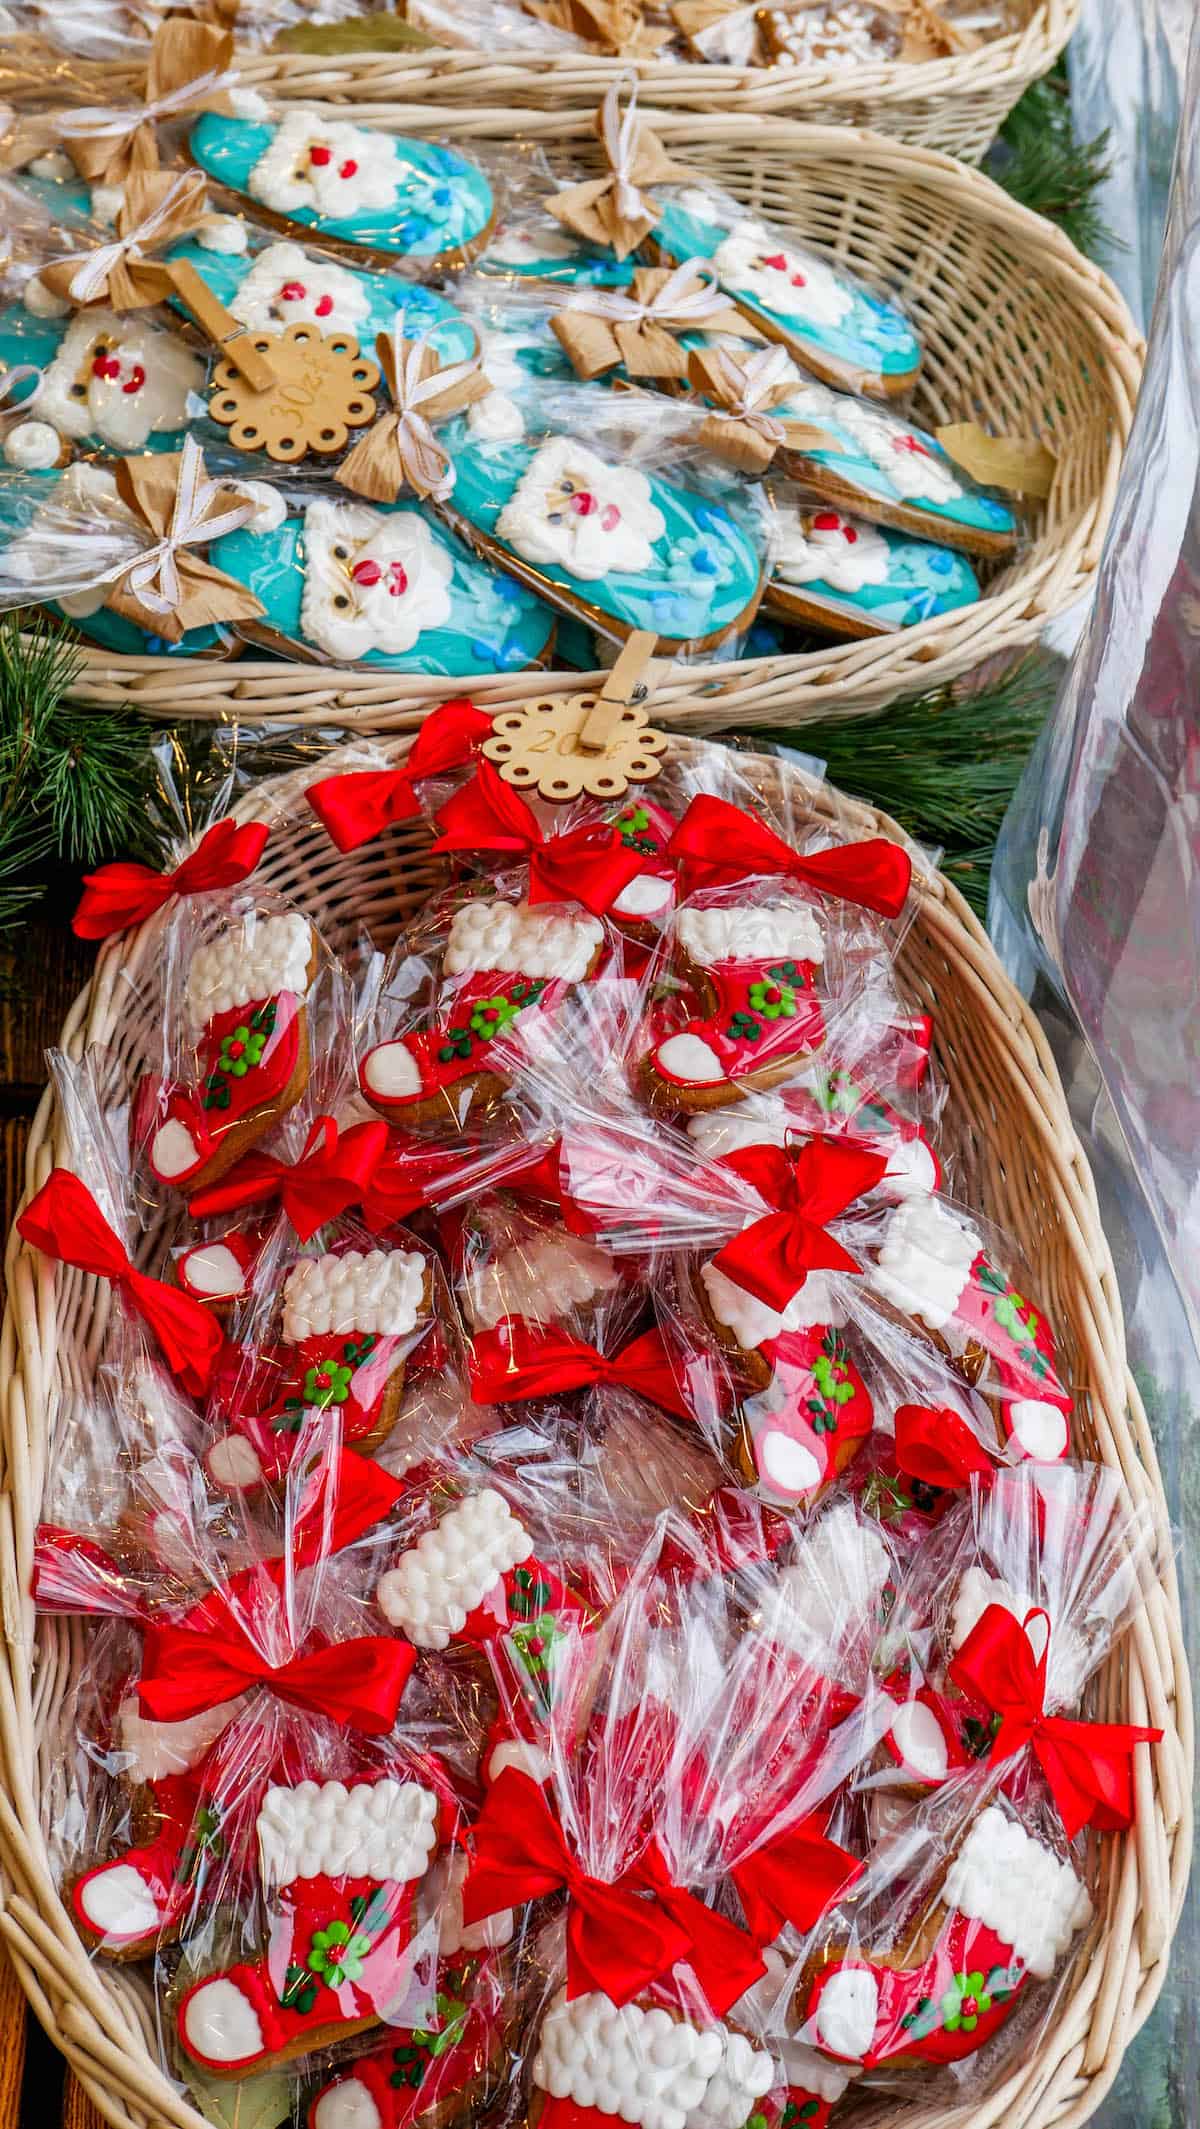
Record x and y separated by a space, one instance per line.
1039 161
944 765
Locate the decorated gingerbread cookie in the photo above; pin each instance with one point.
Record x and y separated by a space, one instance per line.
385 587
751 960
434 2075
219 1272
851 578
845 34
836 327
361 190
797 1435
537 249
643 2062
246 1000
115 383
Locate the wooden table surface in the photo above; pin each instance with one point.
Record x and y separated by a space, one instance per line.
37 985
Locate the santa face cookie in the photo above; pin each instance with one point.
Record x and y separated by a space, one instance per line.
537 251
350 1318
501 959
359 188
385 587
245 997
118 381
287 284
879 466
837 328
618 548
753 965
848 577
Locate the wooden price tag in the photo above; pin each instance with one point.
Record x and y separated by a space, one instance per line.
570 746
320 389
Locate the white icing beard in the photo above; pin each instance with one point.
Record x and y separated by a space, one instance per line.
119 379
285 286
572 509
333 168
371 582
822 546
797 286
912 468
515 247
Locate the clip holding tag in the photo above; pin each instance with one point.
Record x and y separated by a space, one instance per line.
572 746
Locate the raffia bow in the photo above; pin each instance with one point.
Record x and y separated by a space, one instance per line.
616 27
401 451
188 70
168 588
599 327
158 207
741 424
614 210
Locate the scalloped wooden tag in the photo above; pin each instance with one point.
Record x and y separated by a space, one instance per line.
321 388
574 746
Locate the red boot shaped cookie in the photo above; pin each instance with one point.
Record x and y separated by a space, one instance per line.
753 964
798 1434
435 2074
246 992
350 1320
1007 1909
340 1867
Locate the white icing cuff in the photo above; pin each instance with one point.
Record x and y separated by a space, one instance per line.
452 1568
788 931
753 1323
540 1278
378 1292
513 938
648 2068
257 958
221 2024
1007 1880
976 1591
383 1830
924 1261
157 1749
831 1589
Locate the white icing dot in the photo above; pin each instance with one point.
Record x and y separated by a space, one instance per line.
224 233
346 2105
33 446
917 1736
846 2012
270 508
786 1463
54 164
221 2024
173 1150
119 1903
392 1072
689 1057
1039 1428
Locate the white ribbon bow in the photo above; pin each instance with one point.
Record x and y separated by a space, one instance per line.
620 136
9 380
707 301
194 497
101 123
746 384
95 268
420 452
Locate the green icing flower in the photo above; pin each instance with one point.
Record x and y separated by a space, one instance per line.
775 1001
964 2003
492 1015
327 1384
241 1049
337 1954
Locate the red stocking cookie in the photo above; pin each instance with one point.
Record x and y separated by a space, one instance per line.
753 964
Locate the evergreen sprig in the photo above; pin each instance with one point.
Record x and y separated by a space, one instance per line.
943 764
74 783
1039 161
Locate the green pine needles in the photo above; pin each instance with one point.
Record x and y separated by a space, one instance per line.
1039 161
74 783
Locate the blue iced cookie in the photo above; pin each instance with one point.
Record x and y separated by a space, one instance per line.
357 188
388 588
840 330
853 579
619 548
286 285
873 462
115 383
112 632
539 250
66 199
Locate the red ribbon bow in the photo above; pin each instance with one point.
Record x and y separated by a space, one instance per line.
794 1878
773 1257
65 1222
935 1444
121 895
518 1359
725 1961
1088 1765
590 865
618 1941
716 843
355 808
334 1171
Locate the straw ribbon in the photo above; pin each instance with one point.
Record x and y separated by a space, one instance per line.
619 133
671 306
95 269
747 388
426 462
96 122
194 497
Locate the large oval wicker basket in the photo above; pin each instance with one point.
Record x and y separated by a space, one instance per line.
1020 333
956 104
1023 1166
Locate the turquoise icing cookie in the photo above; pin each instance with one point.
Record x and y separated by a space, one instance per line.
549 254
112 632
114 384
835 325
608 540
889 462
66 200
870 579
388 588
404 196
285 285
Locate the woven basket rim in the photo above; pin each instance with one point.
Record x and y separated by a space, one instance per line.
839 678
86 2015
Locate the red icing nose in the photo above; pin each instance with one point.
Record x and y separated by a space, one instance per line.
105 366
293 292
137 378
366 572
778 261
826 521
320 156
324 305
348 169
583 504
397 580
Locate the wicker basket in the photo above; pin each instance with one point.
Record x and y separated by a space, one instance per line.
1024 1167
1020 333
957 105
